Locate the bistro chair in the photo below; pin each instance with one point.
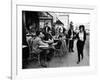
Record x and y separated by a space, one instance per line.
64 48
58 52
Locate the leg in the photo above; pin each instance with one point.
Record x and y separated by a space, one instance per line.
66 42
72 44
78 58
78 50
42 59
78 54
82 47
82 55
69 45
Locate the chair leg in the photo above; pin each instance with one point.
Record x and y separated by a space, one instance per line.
55 53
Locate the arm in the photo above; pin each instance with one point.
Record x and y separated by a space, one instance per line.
54 44
41 43
84 36
49 41
76 36
69 33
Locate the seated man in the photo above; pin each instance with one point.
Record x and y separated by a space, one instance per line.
38 42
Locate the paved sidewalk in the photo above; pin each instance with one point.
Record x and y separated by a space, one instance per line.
70 59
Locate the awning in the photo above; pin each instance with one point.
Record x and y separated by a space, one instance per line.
44 15
58 22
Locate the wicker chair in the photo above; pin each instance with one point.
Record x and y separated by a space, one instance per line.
33 54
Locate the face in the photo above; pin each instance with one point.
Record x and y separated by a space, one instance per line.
46 24
49 31
81 29
71 23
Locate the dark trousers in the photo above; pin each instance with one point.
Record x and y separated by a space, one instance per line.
66 42
42 56
71 43
80 47
46 55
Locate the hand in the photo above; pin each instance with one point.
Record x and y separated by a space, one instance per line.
54 44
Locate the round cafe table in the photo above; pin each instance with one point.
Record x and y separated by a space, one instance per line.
48 52
44 48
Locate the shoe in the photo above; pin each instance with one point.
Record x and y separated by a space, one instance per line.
72 50
82 58
43 65
69 50
48 59
78 62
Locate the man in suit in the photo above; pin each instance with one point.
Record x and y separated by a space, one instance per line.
46 28
36 42
71 34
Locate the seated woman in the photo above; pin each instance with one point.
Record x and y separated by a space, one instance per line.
48 37
58 44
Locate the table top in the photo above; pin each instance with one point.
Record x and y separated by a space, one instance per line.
24 46
45 47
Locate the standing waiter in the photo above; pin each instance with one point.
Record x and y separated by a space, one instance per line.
81 36
71 34
46 28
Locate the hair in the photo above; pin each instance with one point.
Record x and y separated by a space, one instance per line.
82 26
71 22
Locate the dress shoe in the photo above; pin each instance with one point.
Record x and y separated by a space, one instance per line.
78 62
72 50
43 65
